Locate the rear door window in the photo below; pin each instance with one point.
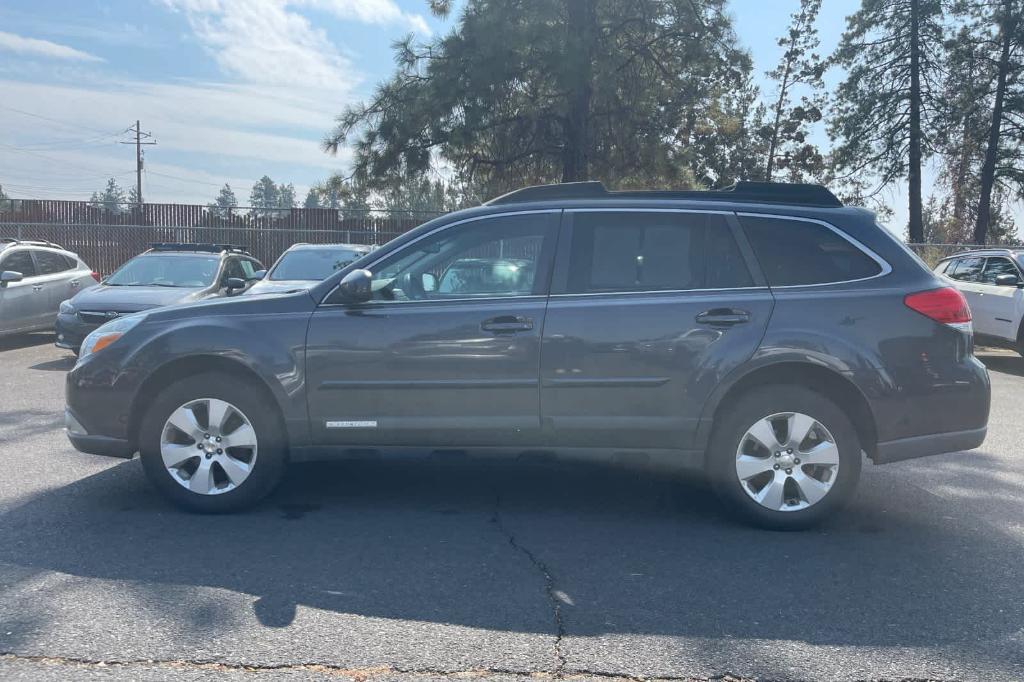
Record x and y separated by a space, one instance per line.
622 251
19 261
798 253
50 263
968 269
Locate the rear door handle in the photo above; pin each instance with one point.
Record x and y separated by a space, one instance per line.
723 317
75 283
37 287
507 324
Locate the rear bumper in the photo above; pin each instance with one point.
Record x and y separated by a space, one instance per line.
932 444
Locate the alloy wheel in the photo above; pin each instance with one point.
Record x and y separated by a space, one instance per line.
208 446
787 461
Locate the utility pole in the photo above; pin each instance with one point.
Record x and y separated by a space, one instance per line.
139 137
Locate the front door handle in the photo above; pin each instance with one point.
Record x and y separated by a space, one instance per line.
75 284
37 287
723 317
507 324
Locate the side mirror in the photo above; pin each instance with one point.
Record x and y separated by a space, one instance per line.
233 283
258 275
356 287
429 282
1007 280
8 276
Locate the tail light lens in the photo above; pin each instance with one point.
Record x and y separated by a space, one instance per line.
946 305
96 276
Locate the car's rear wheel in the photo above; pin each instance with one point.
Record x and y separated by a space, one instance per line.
784 457
211 443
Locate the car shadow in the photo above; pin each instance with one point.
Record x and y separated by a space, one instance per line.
16 341
1005 364
63 364
485 544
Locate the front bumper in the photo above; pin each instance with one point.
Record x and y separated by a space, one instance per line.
94 444
932 444
71 331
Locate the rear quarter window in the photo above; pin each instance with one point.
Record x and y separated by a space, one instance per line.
797 252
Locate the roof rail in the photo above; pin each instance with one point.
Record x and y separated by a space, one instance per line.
760 192
31 242
185 246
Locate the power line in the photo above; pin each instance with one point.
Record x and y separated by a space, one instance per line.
178 177
54 159
72 126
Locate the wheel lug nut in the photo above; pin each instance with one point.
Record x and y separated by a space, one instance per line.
778 454
199 445
776 466
207 436
218 439
796 461
789 471
219 451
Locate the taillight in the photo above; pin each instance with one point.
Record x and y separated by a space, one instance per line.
946 305
96 276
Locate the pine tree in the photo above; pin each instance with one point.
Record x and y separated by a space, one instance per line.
225 202
264 197
800 68
529 91
883 111
112 199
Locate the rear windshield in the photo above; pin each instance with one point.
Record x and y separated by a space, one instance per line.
165 270
313 264
797 252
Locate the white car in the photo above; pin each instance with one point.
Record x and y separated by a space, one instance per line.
993 285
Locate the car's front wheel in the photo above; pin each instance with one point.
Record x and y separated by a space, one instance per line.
784 457
211 443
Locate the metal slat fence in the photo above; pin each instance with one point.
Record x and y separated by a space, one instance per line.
106 238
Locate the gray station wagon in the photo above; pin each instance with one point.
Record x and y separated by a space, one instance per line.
765 334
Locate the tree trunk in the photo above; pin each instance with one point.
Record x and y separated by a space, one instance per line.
581 33
915 227
988 169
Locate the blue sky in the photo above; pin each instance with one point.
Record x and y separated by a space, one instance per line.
230 89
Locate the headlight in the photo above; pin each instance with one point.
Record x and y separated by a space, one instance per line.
108 334
66 308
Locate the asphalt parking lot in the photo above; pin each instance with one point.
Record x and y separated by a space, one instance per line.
431 570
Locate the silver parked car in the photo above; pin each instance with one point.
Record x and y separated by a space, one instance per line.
35 278
303 265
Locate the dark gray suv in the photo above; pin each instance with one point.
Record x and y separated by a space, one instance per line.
765 334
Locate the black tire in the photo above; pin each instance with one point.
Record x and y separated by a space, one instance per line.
758 404
268 466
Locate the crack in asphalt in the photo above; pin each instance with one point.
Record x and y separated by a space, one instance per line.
358 674
549 585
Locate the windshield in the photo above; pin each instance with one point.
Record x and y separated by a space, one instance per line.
312 264
163 270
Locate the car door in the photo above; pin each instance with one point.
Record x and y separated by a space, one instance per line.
21 303
966 273
60 278
649 309
420 366
996 313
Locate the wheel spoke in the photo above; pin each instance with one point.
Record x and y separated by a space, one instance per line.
798 426
242 437
748 466
218 412
811 489
174 455
202 480
184 419
764 433
236 470
825 453
771 496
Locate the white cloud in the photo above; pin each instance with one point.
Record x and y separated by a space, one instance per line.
267 42
43 48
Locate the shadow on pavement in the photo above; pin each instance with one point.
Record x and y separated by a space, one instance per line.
17 341
1007 364
631 552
